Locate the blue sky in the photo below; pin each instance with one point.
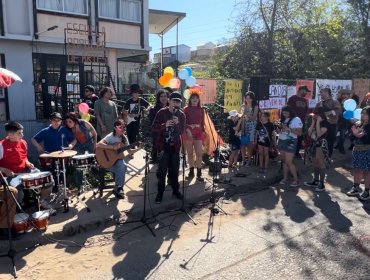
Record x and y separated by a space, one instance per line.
205 21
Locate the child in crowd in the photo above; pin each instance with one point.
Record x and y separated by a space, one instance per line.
318 151
234 139
265 139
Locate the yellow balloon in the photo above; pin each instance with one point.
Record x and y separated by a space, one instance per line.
170 70
187 93
85 117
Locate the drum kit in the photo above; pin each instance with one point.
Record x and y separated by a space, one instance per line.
58 161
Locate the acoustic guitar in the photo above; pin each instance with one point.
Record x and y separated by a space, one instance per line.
107 158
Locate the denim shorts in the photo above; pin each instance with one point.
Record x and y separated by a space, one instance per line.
288 145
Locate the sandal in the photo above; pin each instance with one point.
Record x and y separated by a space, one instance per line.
294 184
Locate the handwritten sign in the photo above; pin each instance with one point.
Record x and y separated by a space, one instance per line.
209 90
334 85
278 90
233 95
273 103
291 90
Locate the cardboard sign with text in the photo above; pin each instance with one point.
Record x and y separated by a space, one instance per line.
233 95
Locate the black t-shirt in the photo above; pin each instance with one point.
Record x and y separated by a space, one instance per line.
91 101
135 107
232 136
264 138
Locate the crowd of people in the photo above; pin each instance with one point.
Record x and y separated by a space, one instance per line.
253 138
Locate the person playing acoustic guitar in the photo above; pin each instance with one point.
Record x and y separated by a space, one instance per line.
116 140
133 109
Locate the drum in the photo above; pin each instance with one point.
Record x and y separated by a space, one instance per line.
46 161
40 219
20 224
37 180
84 160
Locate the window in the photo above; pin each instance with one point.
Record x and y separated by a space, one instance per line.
64 6
126 10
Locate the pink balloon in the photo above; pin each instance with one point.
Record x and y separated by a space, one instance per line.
83 108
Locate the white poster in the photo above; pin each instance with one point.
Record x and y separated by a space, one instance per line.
278 90
291 90
273 103
334 85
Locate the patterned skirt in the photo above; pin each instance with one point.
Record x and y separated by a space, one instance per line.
361 160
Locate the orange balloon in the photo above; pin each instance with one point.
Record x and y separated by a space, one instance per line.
168 76
163 81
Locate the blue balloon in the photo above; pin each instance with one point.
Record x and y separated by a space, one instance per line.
190 71
350 105
348 115
183 74
190 81
357 114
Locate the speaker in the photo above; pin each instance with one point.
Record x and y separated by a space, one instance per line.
260 86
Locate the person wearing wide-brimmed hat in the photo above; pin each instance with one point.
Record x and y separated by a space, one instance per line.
132 110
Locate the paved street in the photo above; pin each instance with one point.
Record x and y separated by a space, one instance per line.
275 233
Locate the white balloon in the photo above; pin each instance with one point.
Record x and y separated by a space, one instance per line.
357 114
183 74
190 81
350 105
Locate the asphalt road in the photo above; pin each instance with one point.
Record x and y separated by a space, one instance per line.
276 233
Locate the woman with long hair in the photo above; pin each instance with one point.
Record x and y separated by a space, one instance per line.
162 98
84 132
361 155
289 128
247 126
194 134
105 111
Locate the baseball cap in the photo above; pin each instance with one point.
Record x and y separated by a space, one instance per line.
176 96
55 115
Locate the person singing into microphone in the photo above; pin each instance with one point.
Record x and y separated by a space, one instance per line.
169 124
195 133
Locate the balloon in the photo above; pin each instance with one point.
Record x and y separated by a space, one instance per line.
357 114
86 117
163 81
190 71
183 74
190 81
348 115
175 83
197 87
83 108
168 76
350 105
186 94
169 70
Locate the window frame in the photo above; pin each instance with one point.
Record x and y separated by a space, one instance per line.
64 12
121 19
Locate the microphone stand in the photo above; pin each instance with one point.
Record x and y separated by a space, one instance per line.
215 179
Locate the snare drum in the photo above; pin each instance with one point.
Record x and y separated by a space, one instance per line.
84 160
20 224
37 180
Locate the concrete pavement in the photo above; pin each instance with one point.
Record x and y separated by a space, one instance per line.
107 211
